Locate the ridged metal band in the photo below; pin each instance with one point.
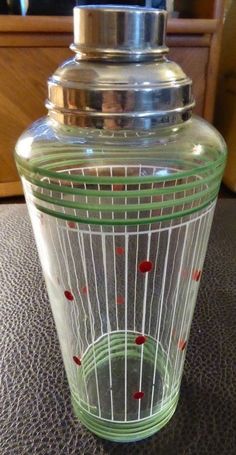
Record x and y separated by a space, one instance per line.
120 108
113 122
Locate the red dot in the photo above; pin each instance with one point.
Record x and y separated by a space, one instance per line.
138 395
120 250
84 290
68 295
77 360
140 339
118 187
182 344
71 224
145 266
196 275
120 300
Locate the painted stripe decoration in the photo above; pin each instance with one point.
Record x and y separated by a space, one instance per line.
146 271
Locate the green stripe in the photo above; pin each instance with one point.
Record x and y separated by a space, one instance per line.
125 207
125 180
127 222
115 194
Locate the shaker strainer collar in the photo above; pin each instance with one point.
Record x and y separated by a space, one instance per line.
120 77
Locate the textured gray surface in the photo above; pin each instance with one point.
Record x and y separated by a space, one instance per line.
36 416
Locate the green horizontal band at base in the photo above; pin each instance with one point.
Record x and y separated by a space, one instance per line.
126 431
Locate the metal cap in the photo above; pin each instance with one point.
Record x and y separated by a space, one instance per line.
120 32
119 77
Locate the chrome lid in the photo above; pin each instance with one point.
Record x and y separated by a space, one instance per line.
125 33
120 77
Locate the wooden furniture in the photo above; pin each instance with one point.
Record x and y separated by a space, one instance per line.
225 113
32 47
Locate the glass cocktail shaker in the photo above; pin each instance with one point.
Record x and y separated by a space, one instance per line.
121 183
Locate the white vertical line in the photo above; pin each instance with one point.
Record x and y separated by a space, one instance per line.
86 197
126 300
78 290
136 257
174 197
91 318
100 215
174 310
99 199
171 277
152 187
74 309
81 298
75 273
96 284
155 269
126 316
63 250
108 321
207 225
62 247
93 262
126 190
114 255
189 251
76 277
143 321
157 335
150 228
209 218
186 303
91 247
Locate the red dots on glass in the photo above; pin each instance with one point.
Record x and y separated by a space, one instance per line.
68 295
71 224
145 266
84 290
118 187
138 395
196 275
182 344
120 251
120 300
77 360
140 339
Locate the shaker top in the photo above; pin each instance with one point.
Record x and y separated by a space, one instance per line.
127 33
120 77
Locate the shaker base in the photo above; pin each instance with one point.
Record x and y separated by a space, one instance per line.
117 405
127 431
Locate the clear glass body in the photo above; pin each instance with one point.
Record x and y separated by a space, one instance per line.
121 221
